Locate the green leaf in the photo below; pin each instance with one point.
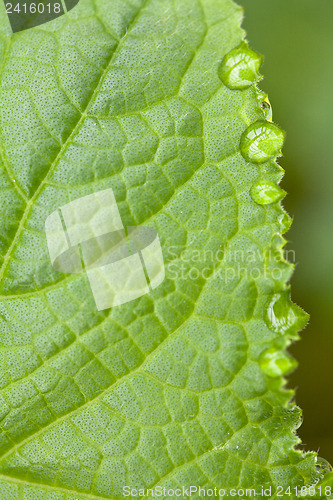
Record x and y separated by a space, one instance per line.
183 386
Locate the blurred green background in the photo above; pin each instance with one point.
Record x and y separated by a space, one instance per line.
296 37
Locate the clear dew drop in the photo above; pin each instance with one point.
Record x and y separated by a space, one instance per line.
276 363
298 423
285 222
266 192
293 417
261 142
267 109
323 466
240 67
282 316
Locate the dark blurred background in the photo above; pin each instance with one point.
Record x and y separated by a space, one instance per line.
296 37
